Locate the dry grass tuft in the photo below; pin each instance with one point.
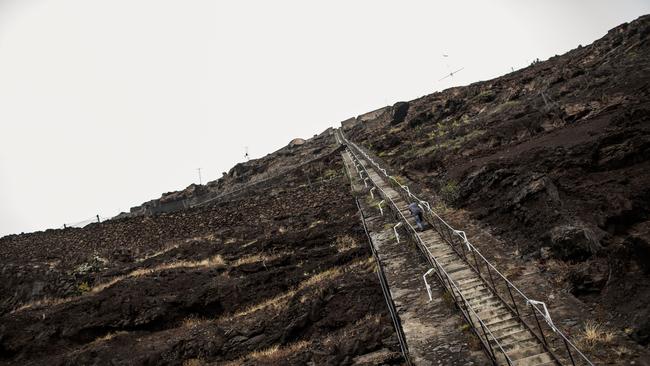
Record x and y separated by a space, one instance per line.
274 302
345 243
264 353
280 300
46 301
316 223
369 318
109 336
214 261
193 321
593 335
158 253
255 258
274 354
318 278
193 362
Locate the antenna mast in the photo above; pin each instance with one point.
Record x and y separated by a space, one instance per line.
452 73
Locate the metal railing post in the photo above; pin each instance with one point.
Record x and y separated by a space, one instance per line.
514 303
532 309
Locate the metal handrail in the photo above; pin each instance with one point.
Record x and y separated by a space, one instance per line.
529 302
450 285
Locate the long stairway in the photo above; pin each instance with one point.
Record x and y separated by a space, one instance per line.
506 339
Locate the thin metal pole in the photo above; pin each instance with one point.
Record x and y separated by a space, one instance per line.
512 297
491 279
568 350
478 269
494 357
538 325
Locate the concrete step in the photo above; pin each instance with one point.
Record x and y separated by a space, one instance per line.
487 304
515 337
497 324
465 274
523 344
441 254
550 363
447 257
476 293
434 246
502 332
454 267
429 234
535 360
471 286
437 243
475 301
495 319
476 296
520 353
469 281
487 315
433 237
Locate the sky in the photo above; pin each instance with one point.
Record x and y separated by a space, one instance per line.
107 104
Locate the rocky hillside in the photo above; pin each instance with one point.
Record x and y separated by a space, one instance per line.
554 158
283 273
299 153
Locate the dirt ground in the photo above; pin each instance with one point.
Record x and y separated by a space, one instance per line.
554 159
282 274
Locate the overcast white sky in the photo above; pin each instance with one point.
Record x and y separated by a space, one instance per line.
107 104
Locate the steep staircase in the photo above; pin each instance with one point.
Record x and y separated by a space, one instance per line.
505 336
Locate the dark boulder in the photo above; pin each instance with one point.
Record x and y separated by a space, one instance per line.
573 243
399 112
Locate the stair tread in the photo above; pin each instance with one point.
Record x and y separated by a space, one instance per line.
543 357
526 352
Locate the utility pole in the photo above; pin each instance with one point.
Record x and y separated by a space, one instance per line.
98 218
199 170
246 153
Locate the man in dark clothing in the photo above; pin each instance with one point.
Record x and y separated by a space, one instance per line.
416 211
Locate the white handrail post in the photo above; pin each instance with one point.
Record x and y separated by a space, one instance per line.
464 237
547 315
381 210
426 284
395 230
426 204
372 194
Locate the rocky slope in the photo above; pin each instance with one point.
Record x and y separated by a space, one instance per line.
554 157
298 154
282 273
